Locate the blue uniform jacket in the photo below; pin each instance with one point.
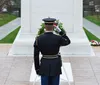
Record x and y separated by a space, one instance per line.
49 44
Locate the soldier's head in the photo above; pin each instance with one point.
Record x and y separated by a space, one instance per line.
49 22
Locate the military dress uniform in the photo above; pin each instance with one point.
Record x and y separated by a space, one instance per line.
49 66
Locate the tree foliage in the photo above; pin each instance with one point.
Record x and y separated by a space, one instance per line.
17 3
10 4
3 2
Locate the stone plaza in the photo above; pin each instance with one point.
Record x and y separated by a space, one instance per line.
17 70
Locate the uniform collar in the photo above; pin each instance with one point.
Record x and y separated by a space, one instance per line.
48 32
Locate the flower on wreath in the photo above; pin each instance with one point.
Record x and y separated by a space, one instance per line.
95 43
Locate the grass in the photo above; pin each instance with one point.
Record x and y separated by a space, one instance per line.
91 36
95 19
5 18
10 37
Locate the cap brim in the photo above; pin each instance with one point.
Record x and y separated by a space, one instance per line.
49 23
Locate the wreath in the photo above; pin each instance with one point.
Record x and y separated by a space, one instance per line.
42 29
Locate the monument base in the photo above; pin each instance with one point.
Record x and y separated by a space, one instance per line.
23 45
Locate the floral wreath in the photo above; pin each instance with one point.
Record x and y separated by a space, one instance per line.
95 43
42 29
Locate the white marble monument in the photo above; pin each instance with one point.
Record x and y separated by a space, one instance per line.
69 12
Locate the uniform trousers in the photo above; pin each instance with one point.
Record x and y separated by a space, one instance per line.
50 80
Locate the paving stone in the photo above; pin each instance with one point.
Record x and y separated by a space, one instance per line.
65 59
97 74
85 81
80 63
98 78
6 63
97 54
83 72
88 83
66 83
20 70
95 62
5 66
2 80
16 83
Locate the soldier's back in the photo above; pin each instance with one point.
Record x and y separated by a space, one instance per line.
49 43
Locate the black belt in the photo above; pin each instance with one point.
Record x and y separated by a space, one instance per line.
50 56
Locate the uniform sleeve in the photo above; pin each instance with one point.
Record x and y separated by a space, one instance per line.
36 55
64 40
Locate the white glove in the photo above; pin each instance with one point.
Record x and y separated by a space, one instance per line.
58 29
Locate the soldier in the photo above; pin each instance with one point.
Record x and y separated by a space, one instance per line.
49 67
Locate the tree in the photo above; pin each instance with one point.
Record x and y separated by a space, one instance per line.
2 3
17 3
17 6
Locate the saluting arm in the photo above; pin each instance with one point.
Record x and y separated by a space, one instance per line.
64 38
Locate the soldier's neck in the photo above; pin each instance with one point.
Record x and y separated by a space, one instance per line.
48 30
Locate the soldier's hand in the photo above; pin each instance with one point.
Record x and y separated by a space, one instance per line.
57 29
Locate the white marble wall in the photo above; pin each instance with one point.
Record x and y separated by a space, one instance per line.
68 12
